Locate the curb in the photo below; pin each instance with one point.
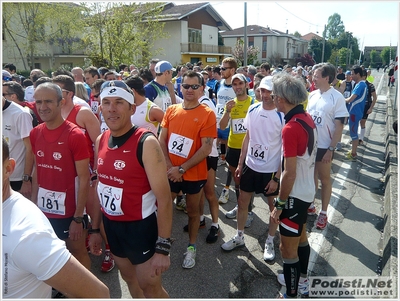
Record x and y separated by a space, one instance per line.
390 210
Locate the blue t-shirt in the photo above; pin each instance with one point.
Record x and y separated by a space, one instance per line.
356 107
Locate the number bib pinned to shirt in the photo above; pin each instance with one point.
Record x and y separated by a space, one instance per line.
238 127
51 201
110 199
319 119
179 145
258 152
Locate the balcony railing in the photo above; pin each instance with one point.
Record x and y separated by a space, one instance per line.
203 48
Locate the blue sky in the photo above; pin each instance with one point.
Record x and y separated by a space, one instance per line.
374 23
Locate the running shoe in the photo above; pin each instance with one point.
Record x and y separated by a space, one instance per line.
190 258
221 162
181 204
322 221
302 289
212 236
108 262
224 197
202 225
235 242
250 218
269 251
311 209
350 157
232 214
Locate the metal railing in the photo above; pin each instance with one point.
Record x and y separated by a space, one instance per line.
204 48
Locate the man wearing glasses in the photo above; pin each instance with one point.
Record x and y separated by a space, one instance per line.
186 138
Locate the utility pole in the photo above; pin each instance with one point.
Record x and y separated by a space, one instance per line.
323 44
245 36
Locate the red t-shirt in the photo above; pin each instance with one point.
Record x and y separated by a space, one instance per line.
56 152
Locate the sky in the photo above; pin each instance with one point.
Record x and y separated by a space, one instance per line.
373 23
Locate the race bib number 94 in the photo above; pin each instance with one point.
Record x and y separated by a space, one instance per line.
110 199
179 145
51 201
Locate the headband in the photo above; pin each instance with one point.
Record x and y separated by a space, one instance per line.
114 91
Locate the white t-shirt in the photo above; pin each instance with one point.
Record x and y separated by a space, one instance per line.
141 118
79 101
207 102
29 91
264 127
17 124
32 252
324 108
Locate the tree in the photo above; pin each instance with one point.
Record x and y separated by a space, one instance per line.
315 49
119 33
306 60
375 58
238 53
297 34
30 23
334 27
387 54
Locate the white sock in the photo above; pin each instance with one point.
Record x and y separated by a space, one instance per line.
362 133
302 279
270 239
323 212
215 225
202 217
240 234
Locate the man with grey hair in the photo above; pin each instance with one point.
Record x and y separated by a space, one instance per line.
297 187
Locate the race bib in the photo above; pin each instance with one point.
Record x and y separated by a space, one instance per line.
110 199
166 103
220 110
257 151
179 145
319 120
95 106
238 127
51 201
346 94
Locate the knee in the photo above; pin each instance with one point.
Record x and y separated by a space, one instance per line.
288 252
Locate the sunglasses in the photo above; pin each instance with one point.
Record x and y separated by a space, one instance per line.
194 87
224 68
6 78
96 95
5 94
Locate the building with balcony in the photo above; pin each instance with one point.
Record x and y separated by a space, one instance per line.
276 47
192 34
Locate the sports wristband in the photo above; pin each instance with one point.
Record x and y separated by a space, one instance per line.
275 179
94 231
163 246
279 204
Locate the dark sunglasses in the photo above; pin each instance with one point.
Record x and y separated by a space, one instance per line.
224 68
6 78
96 95
194 87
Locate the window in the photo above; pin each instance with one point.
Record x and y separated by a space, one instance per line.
264 46
251 43
194 36
38 66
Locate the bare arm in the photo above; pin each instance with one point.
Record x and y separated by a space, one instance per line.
86 119
163 139
374 98
75 281
287 181
243 154
154 161
35 186
156 114
199 155
94 208
223 123
351 98
336 137
171 91
82 170
26 188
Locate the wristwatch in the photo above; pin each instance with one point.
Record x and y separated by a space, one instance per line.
78 219
331 148
275 179
181 170
26 178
